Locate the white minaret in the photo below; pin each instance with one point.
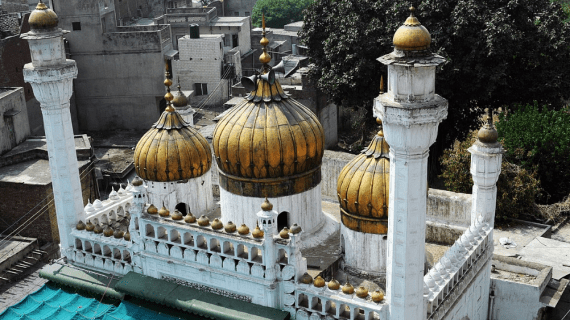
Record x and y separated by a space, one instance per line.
486 158
51 76
410 112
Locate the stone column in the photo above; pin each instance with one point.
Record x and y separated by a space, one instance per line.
51 76
486 159
410 113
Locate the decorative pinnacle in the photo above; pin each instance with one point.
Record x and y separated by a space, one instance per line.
381 84
167 82
41 6
412 10
264 57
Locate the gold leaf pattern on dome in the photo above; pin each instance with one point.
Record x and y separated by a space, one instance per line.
412 36
363 189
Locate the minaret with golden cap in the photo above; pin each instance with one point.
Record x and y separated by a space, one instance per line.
410 112
51 76
486 159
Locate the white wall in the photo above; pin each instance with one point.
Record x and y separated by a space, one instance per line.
474 301
515 298
364 251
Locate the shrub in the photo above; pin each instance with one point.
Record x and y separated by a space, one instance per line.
516 187
539 138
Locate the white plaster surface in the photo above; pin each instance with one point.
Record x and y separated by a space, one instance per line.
304 209
485 170
364 251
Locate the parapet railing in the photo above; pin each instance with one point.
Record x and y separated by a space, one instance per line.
475 243
116 207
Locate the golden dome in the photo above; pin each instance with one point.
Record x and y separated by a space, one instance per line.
172 150
347 288
243 230
362 292
377 296
334 285
89 226
152 209
217 224
180 100
176 215
306 278
127 236
137 181
163 212
269 145
295 229
284 233
257 233
108 231
488 134
118 234
412 36
203 221
98 229
363 189
80 225
319 282
43 18
189 218
230 227
266 205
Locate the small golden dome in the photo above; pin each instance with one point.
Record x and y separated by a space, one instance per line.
89 226
362 292
265 57
167 82
257 233
98 229
163 212
412 36
180 99
108 231
137 181
284 233
230 227
363 189
217 224
264 41
377 296
203 221
127 236
319 282
488 134
43 18
266 205
189 218
295 229
347 288
243 230
334 284
172 150
118 234
176 215
169 96
306 278
80 225
152 209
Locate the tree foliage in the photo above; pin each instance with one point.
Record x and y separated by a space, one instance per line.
516 187
278 13
499 52
540 138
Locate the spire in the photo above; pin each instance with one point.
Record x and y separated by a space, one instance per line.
167 82
264 58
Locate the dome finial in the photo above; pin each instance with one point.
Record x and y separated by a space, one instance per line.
167 82
412 10
264 58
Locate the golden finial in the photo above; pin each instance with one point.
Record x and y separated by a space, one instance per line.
41 6
167 82
381 84
412 10
264 57
381 132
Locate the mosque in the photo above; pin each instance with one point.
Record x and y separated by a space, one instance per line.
268 150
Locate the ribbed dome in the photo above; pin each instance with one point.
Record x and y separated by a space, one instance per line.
363 189
171 150
412 36
43 18
269 145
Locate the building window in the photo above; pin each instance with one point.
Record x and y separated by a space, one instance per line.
201 89
236 14
247 14
76 26
235 40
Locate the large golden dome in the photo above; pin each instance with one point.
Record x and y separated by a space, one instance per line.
269 145
412 36
171 150
363 189
43 18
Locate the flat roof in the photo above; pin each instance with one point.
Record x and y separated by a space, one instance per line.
33 172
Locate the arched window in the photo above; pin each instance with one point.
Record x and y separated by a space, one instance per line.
182 207
283 220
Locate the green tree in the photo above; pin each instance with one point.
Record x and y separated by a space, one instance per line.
539 138
516 187
278 13
499 52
